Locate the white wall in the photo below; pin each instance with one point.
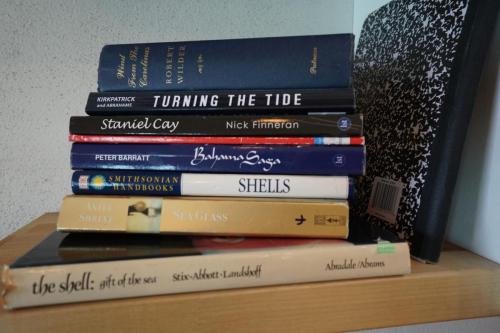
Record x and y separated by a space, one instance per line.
474 221
363 8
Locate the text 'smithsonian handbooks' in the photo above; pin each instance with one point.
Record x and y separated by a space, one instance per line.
66 268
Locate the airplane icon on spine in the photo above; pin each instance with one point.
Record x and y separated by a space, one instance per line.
300 220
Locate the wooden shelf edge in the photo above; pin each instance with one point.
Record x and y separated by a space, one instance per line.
462 285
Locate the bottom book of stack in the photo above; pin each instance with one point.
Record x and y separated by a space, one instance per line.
66 268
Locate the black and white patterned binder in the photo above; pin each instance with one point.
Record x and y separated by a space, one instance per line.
415 74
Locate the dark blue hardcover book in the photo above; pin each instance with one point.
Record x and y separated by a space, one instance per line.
269 159
321 61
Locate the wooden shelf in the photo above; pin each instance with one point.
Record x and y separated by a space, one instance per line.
462 285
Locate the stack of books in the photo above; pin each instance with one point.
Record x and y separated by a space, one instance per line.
210 142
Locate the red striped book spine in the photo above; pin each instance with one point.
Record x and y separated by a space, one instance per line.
244 140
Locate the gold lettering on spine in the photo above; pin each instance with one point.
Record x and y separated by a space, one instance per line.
143 82
200 63
143 183
133 53
174 66
313 68
133 76
120 70
133 70
180 64
169 65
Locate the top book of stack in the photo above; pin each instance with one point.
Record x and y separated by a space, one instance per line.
321 61
277 74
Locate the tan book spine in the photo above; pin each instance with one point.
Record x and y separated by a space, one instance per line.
206 216
71 283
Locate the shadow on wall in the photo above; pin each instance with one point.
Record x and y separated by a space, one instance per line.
470 212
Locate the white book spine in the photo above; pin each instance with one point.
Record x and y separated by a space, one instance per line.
55 284
251 185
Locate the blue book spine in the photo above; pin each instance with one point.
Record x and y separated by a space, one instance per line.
260 159
321 61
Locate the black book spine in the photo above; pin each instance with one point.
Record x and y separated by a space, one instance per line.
332 125
224 101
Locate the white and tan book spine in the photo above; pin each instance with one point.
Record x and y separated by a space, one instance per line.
44 285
